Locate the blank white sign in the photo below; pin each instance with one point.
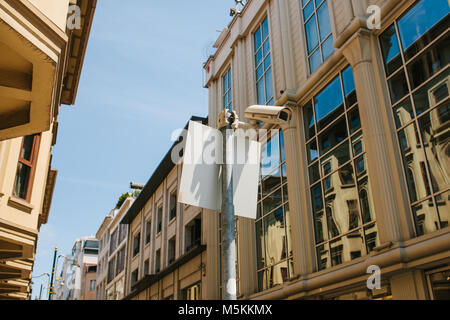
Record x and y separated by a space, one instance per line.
200 183
246 177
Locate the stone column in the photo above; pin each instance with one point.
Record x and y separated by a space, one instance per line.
379 133
302 234
410 285
246 241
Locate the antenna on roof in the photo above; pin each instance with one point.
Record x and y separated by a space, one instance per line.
238 9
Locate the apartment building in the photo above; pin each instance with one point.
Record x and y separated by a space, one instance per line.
103 254
77 280
167 252
40 65
113 238
361 171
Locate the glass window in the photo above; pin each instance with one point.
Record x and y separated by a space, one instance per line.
113 242
148 231
136 244
171 250
420 105
227 91
146 267
158 260
159 217
92 285
341 202
172 206
318 31
120 261
192 292
439 283
193 234
274 255
422 17
263 64
111 269
25 167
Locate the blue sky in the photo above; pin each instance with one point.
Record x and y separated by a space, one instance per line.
142 79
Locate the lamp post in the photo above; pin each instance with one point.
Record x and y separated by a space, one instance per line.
42 283
50 292
225 121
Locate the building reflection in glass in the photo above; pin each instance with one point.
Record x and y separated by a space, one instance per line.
273 228
418 76
345 222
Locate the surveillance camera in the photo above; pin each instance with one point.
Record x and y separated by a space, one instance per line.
232 12
269 114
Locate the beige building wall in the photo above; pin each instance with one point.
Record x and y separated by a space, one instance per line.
294 86
55 10
37 52
157 282
110 279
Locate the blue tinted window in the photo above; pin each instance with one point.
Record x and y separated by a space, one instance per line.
227 91
324 21
328 100
312 35
349 82
308 11
263 63
318 31
390 50
421 18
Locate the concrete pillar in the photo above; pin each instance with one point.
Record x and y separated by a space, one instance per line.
286 47
248 279
379 134
302 234
409 285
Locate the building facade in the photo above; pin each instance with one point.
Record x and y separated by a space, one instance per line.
359 175
40 66
103 255
77 280
167 252
113 238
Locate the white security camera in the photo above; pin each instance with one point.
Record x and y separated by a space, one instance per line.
269 114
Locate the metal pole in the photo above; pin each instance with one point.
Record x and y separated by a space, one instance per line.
229 241
50 292
40 291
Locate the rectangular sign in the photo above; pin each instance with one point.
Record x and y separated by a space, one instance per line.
246 176
200 184
200 181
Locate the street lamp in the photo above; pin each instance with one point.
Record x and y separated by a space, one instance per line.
42 282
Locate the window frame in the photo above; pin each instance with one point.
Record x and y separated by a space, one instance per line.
263 216
406 61
325 237
148 231
271 99
227 90
173 193
32 163
136 250
320 42
159 219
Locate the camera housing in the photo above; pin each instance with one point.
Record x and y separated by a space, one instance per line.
269 114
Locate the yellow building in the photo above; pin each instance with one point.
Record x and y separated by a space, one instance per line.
166 251
359 176
41 57
113 238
